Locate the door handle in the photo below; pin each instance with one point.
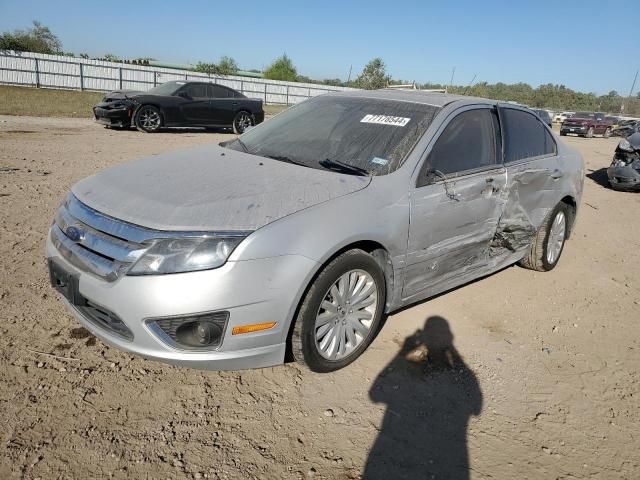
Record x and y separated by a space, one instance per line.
556 174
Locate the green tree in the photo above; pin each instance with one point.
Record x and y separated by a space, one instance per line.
37 39
374 75
227 66
110 57
282 68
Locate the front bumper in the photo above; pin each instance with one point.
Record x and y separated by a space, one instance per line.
575 129
113 117
252 291
624 178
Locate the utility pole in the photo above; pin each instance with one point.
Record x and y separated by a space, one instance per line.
349 78
633 85
453 72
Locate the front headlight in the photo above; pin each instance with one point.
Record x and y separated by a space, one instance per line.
625 145
189 254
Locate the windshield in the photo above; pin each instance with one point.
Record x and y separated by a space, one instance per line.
583 115
168 88
365 136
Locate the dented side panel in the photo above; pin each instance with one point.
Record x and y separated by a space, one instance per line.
452 225
531 193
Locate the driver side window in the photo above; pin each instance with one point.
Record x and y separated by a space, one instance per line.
468 142
196 91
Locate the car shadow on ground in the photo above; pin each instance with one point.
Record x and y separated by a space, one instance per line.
430 395
599 176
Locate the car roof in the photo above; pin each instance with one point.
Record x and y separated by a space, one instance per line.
435 99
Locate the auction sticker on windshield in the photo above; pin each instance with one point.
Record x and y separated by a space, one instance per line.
385 120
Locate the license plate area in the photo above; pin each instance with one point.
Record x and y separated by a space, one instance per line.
66 283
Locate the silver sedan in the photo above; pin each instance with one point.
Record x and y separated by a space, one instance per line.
302 233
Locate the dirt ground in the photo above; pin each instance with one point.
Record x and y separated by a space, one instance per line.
545 380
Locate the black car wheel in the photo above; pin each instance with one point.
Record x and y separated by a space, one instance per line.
242 121
148 119
607 133
589 133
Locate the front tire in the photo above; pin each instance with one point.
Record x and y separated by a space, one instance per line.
242 121
340 313
589 133
148 119
547 246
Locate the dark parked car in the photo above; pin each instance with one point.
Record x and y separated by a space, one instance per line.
624 172
586 124
179 104
626 128
544 116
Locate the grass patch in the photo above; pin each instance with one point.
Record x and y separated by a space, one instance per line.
274 109
47 102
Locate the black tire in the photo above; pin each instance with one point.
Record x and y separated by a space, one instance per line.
242 121
562 134
607 133
537 258
589 133
303 339
148 119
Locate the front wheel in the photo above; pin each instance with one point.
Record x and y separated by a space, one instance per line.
589 133
241 122
148 119
340 313
607 133
548 243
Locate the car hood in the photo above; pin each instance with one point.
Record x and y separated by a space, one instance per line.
210 188
121 95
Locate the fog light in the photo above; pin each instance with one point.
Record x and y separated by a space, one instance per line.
193 332
201 333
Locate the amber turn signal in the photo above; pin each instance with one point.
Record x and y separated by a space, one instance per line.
255 327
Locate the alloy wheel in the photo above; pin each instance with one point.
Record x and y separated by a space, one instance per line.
243 121
556 237
346 314
149 119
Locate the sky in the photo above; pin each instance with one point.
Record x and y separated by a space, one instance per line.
586 45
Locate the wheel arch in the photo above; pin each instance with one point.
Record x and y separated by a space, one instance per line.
372 247
150 104
570 202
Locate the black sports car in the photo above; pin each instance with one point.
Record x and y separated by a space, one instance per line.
179 104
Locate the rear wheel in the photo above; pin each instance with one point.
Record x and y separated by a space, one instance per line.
548 243
589 133
241 122
148 119
340 313
607 133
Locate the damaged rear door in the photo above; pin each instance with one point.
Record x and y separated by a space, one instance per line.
456 203
534 175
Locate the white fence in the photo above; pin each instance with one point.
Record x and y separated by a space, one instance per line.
55 71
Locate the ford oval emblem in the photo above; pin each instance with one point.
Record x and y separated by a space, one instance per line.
74 233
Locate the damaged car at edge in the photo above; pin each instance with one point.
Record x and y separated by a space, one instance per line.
301 234
624 171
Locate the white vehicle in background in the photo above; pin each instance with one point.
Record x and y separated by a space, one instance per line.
561 117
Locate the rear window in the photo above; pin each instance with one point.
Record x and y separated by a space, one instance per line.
374 135
525 136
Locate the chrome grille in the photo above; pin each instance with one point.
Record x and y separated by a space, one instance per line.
104 246
95 243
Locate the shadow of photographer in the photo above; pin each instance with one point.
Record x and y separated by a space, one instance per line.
430 395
